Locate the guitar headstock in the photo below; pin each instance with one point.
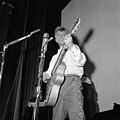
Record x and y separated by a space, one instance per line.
75 25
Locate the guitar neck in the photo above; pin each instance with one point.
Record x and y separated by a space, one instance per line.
59 59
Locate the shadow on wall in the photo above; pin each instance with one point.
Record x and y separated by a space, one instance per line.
90 95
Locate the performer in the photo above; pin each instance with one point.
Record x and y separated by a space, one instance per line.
70 100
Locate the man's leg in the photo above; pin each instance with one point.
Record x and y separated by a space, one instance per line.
59 111
74 102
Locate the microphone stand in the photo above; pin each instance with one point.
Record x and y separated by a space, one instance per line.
37 103
7 45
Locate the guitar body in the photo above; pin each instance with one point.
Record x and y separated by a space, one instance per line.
54 84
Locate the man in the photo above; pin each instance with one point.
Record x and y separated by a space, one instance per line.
70 100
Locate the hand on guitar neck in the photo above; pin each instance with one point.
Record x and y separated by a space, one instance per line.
68 41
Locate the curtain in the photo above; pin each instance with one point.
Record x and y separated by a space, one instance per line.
17 91
14 56
22 59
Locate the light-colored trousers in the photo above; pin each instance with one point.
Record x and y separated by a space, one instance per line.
70 100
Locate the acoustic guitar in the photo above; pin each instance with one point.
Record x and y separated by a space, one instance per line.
57 79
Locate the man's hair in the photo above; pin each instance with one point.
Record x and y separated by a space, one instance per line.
61 29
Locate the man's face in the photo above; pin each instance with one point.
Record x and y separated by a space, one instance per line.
59 37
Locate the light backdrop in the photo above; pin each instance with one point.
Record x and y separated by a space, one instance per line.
102 48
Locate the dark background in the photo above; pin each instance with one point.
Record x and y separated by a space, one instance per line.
17 19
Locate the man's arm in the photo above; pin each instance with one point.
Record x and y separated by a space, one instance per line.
77 55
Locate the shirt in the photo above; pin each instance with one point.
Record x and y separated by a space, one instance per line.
74 60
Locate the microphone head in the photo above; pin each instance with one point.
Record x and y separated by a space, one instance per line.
45 39
45 35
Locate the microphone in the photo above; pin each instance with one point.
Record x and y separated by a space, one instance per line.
45 39
51 38
46 35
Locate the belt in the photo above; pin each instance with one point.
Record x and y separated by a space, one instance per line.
70 75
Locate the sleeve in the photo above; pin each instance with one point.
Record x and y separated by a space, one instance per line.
83 59
51 65
78 57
